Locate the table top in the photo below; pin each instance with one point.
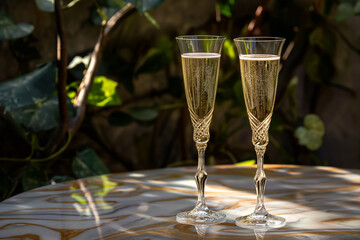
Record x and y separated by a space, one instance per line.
317 202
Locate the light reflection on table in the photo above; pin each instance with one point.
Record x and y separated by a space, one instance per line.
317 202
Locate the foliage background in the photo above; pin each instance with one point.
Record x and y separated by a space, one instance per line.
136 116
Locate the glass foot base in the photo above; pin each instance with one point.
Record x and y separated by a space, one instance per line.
253 221
200 217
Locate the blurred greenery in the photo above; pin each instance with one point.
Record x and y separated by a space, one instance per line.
136 115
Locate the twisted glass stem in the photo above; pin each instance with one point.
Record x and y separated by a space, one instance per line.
201 177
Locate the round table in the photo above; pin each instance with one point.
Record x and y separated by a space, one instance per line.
317 202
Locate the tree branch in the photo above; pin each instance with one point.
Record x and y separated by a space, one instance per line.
61 80
95 59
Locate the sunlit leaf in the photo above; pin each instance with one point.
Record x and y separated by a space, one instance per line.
152 20
40 116
248 162
79 60
310 135
106 10
226 7
28 89
144 5
10 30
45 5
229 49
34 176
103 92
87 164
144 113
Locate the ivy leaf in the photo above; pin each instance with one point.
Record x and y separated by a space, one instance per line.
34 176
79 60
156 58
28 89
45 5
144 113
87 164
144 5
229 49
226 7
103 92
41 116
310 135
10 30
323 38
347 9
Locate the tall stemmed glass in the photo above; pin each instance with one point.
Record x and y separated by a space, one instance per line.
200 57
259 66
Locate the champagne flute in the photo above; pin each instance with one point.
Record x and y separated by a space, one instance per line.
259 65
200 57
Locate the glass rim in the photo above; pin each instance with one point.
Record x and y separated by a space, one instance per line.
200 37
259 39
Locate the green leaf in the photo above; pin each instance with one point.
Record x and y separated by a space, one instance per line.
226 7
152 20
41 116
120 119
323 38
10 30
106 10
311 134
248 162
28 89
79 60
144 113
103 92
229 49
34 176
45 5
156 58
87 164
144 5
346 9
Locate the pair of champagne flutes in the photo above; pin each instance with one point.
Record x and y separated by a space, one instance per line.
259 66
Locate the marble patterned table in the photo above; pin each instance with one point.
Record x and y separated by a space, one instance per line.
317 202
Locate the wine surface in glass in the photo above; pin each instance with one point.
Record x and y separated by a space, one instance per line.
200 72
259 74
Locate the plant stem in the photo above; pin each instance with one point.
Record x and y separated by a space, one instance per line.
61 80
86 83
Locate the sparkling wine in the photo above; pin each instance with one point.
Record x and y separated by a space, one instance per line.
259 74
201 71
